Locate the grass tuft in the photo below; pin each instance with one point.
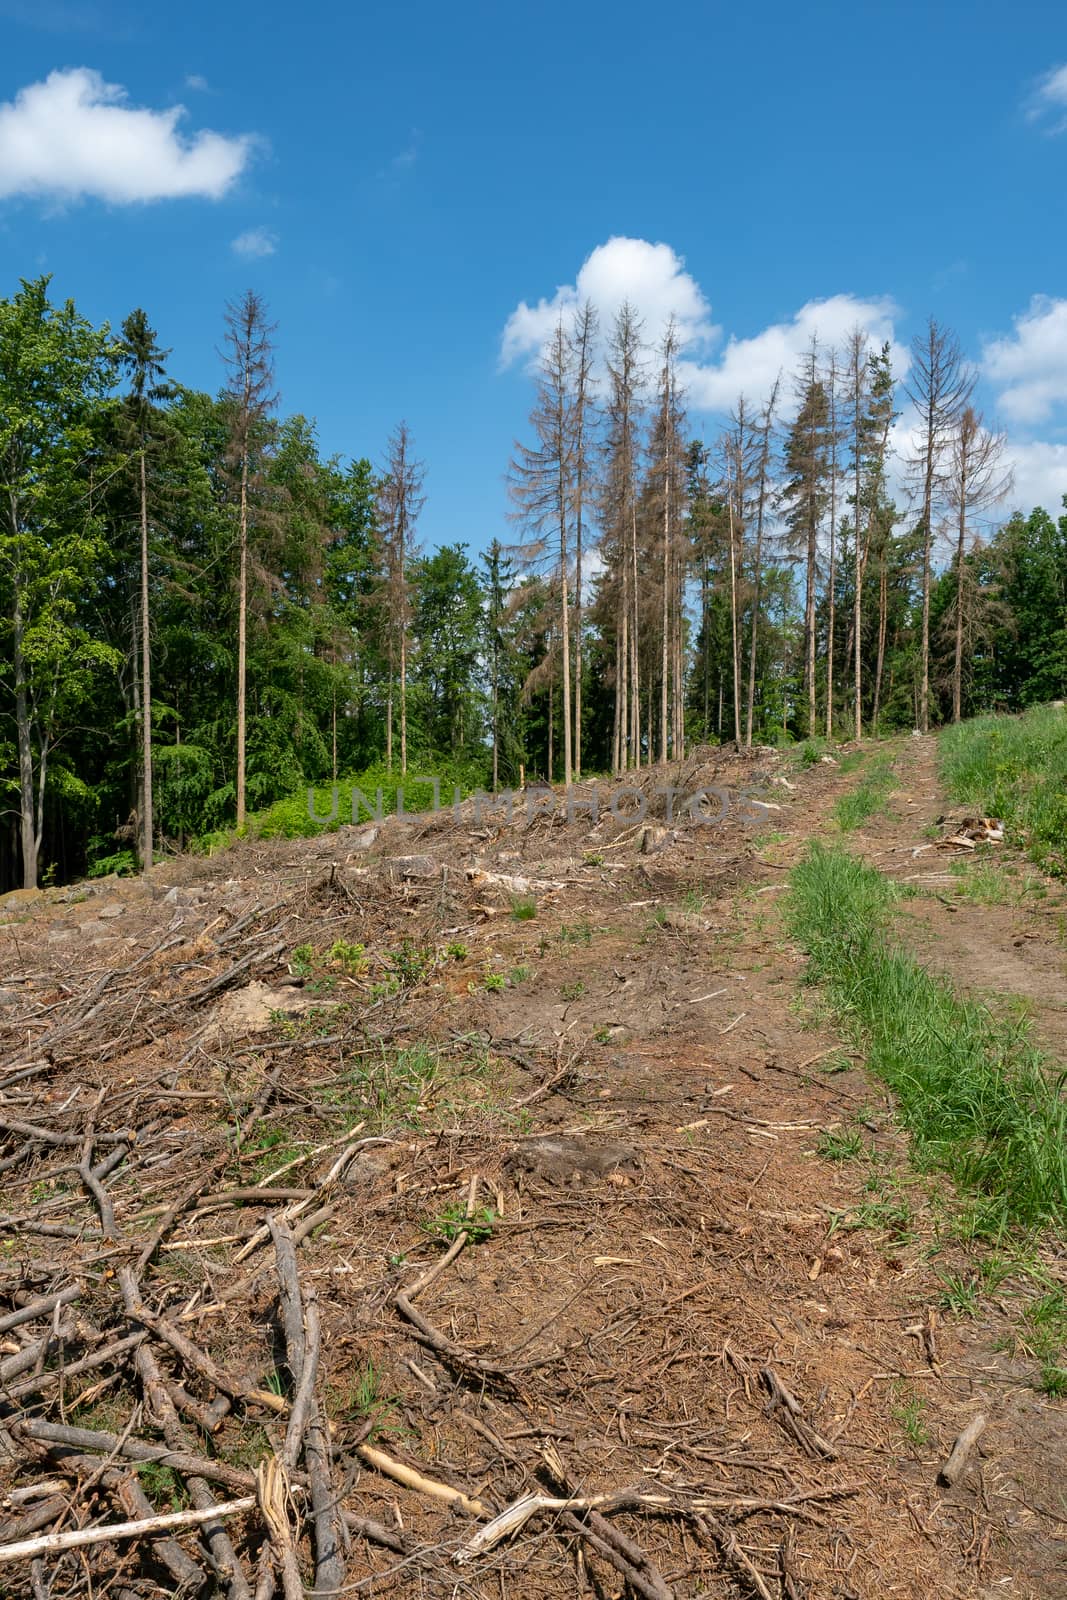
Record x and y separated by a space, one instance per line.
868 797
1014 768
975 1094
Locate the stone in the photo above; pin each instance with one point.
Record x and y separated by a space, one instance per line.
572 1161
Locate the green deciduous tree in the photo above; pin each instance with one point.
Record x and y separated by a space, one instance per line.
54 369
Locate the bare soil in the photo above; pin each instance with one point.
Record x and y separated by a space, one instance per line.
637 1085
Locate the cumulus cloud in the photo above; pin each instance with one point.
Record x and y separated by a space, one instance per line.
750 366
254 243
652 277
74 136
1029 366
1040 473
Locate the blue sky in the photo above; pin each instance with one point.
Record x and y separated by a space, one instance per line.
399 181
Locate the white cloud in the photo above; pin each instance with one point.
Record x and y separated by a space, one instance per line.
750 366
1049 99
74 136
197 81
1040 470
1029 367
652 277
254 243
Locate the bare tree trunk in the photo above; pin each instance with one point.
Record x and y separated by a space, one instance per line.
389 692
565 624
706 662
635 645
940 386
622 668
403 701
736 685
148 829
664 672
757 577
242 642
24 738
883 599
809 627
551 727
957 663
832 577
333 726
582 343
679 676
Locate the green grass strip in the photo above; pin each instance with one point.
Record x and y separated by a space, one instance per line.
869 796
1014 768
977 1097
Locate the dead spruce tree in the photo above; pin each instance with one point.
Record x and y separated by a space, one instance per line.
399 502
541 485
940 385
249 358
667 482
804 497
582 346
976 480
618 521
762 505
857 381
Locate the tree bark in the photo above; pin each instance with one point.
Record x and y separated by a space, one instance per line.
148 830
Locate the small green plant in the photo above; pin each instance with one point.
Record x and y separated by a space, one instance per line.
351 958
602 1035
301 961
891 1216
325 983
162 1485
520 973
959 1295
453 1220
835 1145
593 858
579 933
411 963
494 982
523 909
908 1412
1046 1336
572 991
456 951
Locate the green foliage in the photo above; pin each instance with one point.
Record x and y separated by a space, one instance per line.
523 909
960 1294
1014 768
869 797
909 1411
121 863
977 1097
837 1145
453 1220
